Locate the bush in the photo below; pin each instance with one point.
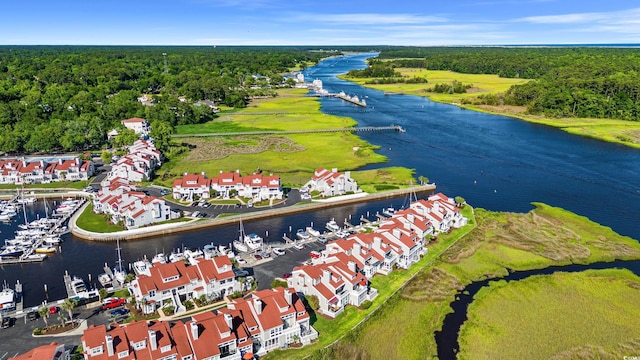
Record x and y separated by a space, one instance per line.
188 304
169 310
236 295
279 283
38 331
366 304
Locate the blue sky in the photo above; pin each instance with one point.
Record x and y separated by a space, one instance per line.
327 22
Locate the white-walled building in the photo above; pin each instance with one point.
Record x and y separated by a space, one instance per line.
256 186
138 125
331 183
14 171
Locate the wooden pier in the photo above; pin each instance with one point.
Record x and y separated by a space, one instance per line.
393 128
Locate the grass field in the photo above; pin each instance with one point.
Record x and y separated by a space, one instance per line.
91 221
554 316
545 236
482 84
610 130
293 157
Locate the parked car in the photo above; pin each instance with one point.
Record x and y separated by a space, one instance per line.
241 260
278 251
287 275
32 315
164 192
112 303
195 214
322 239
53 310
298 246
239 272
118 312
315 255
257 257
7 322
265 254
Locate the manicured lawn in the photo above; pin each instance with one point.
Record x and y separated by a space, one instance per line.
91 221
546 316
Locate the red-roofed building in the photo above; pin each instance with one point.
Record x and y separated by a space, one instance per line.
174 282
13 171
269 319
192 186
331 183
52 351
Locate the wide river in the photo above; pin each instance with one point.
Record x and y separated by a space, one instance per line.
492 161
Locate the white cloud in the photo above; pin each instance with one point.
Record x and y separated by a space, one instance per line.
600 17
368 18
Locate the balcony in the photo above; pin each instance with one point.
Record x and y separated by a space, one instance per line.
371 294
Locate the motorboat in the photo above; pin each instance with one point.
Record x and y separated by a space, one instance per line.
7 299
105 280
388 212
141 267
313 232
159 258
332 225
176 256
45 249
11 251
246 243
302 235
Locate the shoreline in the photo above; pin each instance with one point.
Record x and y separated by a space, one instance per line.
164 229
544 121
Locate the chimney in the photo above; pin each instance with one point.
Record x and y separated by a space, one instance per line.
77 161
377 242
24 163
396 232
194 329
357 249
288 296
257 303
352 266
220 171
335 170
59 161
347 174
326 276
229 320
185 174
202 173
237 171
152 340
109 341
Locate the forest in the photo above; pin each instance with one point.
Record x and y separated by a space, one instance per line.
595 82
66 98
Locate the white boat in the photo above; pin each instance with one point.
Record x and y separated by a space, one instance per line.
388 212
247 243
302 235
159 258
79 289
141 267
105 280
52 239
333 225
176 256
11 251
313 232
192 255
224 250
7 299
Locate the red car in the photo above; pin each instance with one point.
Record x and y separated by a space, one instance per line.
53 310
287 275
112 303
315 255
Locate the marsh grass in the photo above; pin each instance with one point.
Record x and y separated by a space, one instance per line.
567 310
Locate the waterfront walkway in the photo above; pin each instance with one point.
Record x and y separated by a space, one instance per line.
196 224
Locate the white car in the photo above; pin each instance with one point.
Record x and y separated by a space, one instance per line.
298 246
241 260
278 251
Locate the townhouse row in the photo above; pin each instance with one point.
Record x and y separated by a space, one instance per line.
138 164
266 320
14 171
340 276
257 187
331 183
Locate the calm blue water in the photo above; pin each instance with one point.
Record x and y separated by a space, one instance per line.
494 162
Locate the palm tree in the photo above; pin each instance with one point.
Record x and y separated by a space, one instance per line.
44 314
69 305
61 318
423 179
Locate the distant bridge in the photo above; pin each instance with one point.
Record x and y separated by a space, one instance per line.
394 128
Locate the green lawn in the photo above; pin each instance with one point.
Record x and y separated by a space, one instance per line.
91 221
554 315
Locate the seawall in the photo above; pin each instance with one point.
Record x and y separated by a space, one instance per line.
164 229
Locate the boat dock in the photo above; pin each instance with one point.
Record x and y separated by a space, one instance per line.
352 99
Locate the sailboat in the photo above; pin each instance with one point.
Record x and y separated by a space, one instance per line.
118 271
249 242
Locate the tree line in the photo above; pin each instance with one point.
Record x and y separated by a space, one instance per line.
68 97
597 82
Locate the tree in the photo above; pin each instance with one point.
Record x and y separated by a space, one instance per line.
161 132
69 305
103 293
423 179
460 201
106 157
61 318
44 314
